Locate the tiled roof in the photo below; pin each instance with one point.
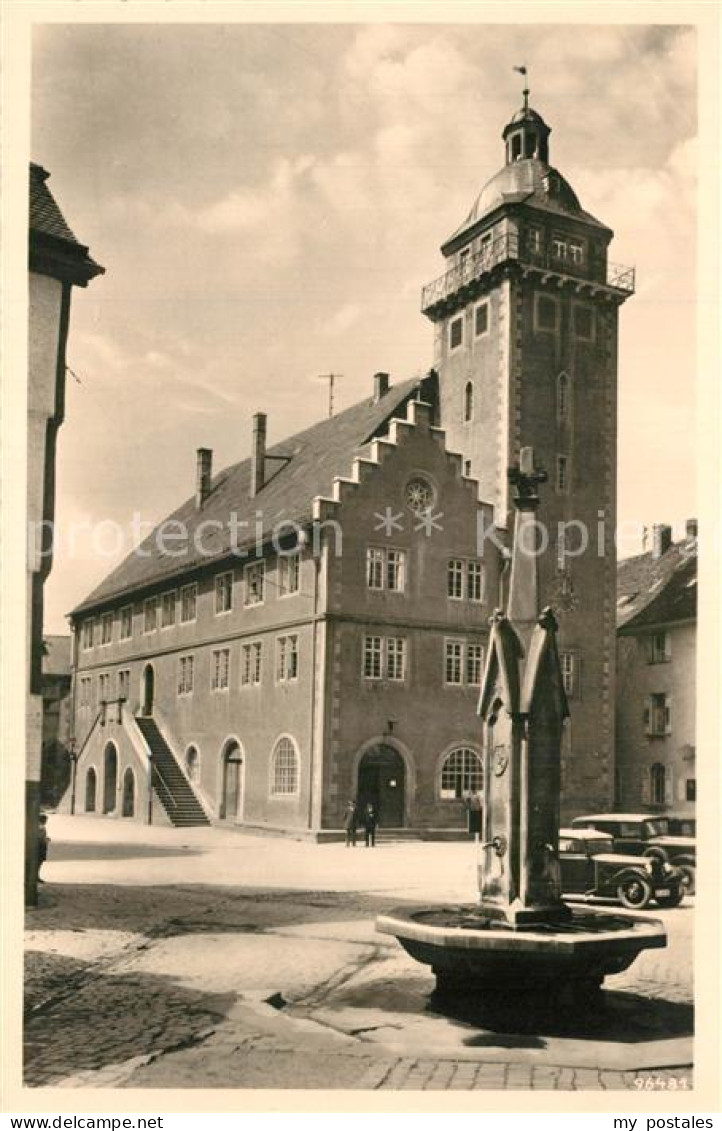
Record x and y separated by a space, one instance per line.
311 461
56 655
52 242
652 591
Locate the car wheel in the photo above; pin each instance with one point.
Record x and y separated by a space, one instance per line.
674 898
634 892
689 877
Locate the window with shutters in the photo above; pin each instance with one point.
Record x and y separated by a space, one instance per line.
658 714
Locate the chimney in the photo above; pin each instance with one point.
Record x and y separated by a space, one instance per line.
258 453
381 386
204 461
661 540
691 528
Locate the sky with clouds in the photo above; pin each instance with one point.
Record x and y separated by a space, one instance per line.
269 199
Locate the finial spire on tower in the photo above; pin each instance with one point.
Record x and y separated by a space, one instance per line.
523 71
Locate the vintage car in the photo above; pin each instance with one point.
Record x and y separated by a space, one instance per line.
646 834
590 868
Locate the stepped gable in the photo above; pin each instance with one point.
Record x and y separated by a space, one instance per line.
309 464
660 590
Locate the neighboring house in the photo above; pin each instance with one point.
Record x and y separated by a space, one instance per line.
269 686
58 262
57 761
656 661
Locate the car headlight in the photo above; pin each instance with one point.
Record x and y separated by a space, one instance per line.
667 869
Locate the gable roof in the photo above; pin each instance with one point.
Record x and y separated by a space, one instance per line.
653 591
306 467
54 248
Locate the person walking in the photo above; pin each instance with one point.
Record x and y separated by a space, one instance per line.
43 842
350 823
370 821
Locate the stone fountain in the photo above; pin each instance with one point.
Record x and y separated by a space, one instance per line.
521 941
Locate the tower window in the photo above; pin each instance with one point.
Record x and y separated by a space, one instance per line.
562 396
583 322
533 240
546 313
481 319
516 147
562 474
468 401
576 252
559 249
456 333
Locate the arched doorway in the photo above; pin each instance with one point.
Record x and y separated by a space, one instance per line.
110 778
232 793
128 793
91 788
382 781
148 689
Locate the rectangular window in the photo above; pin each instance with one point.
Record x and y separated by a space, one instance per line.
583 322
251 663
88 634
104 687
189 600
86 690
534 241
374 568
386 569
481 319
475 581
453 662
126 622
167 610
559 248
286 658
658 648
474 664
289 573
150 614
456 333
568 662
224 592
185 675
467 468
658 714
546 313
254 577
372 657
691 789
220 668
395 657
562 482
576 252
106 628
124 684
455 579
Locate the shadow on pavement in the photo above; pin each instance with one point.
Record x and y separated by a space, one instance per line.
97 850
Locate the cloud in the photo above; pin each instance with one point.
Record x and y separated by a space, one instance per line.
345 317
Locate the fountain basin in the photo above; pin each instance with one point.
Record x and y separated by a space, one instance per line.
470 953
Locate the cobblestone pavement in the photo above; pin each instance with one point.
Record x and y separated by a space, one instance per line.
133 984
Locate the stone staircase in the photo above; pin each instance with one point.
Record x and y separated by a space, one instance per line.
170 783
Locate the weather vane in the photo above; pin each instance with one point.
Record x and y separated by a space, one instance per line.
523 71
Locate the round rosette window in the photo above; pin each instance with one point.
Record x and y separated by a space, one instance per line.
419 495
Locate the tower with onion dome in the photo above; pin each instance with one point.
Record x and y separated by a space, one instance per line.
526 324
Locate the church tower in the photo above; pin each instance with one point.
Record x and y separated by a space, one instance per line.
525 320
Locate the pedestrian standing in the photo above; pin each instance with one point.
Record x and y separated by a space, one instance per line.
43 842
350 823
370 821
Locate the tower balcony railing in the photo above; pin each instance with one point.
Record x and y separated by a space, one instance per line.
504 248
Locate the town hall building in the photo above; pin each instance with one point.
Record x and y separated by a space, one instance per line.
315 629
